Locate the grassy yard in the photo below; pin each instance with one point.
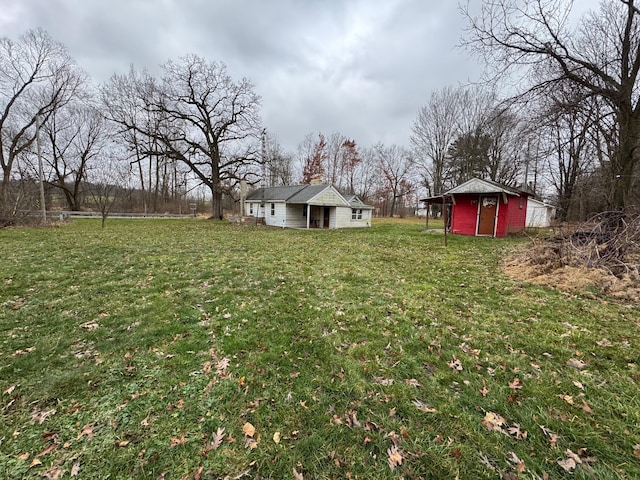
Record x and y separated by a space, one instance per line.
171 349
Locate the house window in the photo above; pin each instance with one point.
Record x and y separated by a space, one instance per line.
251 209
304 211
356 214
273 209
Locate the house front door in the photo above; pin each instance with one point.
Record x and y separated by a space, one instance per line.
327 216
487 215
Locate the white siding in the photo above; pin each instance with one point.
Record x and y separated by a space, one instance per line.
295 217
328 197
344 220
279 218
538 214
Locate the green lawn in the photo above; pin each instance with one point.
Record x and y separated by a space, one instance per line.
171 349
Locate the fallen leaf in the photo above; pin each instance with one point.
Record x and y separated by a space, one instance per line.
493 421
576 363
412 381
35 462
515 431
579 385
455 364
276 438
122 443
198 474
24 456
570 462
175 441
248 429
394 457
86 430
585 407
75 469
513 458
567 398
385 382
296 475
515 384
423 407
352 419
90 326
41 415
216 440
54 473
9 390
636 450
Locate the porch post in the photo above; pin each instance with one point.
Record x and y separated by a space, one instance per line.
308 215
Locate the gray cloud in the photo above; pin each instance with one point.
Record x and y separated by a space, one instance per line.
360 67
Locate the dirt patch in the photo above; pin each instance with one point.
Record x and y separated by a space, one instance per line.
538 263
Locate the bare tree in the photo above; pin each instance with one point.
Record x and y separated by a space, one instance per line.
199 116
395 167
279 163
75 136
601 56
433 133
37 76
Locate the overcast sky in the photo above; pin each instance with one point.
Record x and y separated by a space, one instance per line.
358 67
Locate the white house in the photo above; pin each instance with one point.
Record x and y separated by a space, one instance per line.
539 214
307 206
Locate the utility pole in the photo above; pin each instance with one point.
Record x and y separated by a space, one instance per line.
40 169
263 180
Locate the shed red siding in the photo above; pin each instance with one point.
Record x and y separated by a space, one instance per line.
516 214
464 214
511 217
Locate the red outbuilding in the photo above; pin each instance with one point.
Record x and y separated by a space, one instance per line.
483 207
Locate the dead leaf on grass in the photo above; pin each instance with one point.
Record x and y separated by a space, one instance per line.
567 398
24 456
54 473
87 431
394 457
636 450
248 429
216 440
423 407
90 326
75 469
520 466
41 415
493 422
412 381
515 384
297 475
276 438
385 382
175 441
515 432
455 365
576 363
9 390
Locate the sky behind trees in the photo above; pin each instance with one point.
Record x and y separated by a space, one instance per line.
360 67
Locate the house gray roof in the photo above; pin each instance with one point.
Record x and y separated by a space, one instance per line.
270 194
355 202
300 194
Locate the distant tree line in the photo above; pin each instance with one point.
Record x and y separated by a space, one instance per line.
568 131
